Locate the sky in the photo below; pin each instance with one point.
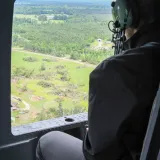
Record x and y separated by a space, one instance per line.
66 0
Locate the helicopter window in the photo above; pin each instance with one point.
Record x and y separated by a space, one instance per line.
55 46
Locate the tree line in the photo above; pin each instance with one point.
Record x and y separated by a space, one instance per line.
74 37
60 8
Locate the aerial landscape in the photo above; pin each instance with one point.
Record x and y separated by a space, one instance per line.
55 46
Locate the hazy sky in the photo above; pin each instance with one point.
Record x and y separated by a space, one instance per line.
69 0
65 1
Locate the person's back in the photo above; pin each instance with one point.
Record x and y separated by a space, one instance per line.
121 92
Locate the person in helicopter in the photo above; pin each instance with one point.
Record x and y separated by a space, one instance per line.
122 89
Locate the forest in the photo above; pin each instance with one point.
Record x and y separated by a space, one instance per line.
55 46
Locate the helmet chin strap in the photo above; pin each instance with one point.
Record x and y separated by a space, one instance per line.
118 37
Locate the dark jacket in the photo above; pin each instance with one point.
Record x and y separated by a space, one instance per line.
121 92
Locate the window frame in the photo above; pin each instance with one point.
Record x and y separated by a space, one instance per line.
7 139
11 135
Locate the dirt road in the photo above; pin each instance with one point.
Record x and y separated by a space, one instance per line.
58 58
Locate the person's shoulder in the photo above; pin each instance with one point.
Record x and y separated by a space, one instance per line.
116 59
145 50
127 58
108 62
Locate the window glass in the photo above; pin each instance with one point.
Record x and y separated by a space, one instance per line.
55 46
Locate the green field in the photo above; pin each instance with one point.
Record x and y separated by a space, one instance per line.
51 86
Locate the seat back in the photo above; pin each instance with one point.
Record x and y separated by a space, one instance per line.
158 157
151 146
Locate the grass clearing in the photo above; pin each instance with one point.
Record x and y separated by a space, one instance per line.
26 16
68 91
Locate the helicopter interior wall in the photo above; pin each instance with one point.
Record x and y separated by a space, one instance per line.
20 151
23 147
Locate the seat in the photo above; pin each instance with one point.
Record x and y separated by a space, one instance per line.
151 146
158 157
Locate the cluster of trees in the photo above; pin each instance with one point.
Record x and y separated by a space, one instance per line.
22 72
59 111
42 18
60 17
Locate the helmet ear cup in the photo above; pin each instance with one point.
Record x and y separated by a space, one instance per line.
126 12
156 10
134 7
